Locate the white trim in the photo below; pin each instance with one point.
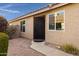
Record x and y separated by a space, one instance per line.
64 19
55 21
48 22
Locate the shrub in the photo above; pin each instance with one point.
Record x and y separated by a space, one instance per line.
3 24
70 49
3 44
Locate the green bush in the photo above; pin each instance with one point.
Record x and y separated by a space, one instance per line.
70 49
3 44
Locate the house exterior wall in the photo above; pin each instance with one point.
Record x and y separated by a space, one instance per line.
15 23
69 36
28 27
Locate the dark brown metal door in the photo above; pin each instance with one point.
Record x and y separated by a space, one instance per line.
39 29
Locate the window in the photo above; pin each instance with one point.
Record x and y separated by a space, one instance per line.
22 24
51 21
59 20
56 21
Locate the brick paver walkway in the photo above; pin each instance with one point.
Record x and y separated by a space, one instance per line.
21 47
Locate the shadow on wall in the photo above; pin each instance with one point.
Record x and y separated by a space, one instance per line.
13 31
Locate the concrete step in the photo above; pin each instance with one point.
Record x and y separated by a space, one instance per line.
49 51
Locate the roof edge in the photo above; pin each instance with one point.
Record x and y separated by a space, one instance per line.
39 11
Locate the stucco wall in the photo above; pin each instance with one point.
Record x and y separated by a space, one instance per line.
28 27
15 23
70 35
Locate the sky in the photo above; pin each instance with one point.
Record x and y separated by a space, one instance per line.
13 10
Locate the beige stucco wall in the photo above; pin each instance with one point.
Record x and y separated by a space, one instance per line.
70 35
14 23
28 29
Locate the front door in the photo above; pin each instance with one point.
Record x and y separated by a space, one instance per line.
39 29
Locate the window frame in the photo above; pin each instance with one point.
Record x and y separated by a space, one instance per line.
55 21
22 26
48 22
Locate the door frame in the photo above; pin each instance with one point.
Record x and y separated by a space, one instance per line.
44 25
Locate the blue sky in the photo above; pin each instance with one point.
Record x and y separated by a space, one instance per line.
13 10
